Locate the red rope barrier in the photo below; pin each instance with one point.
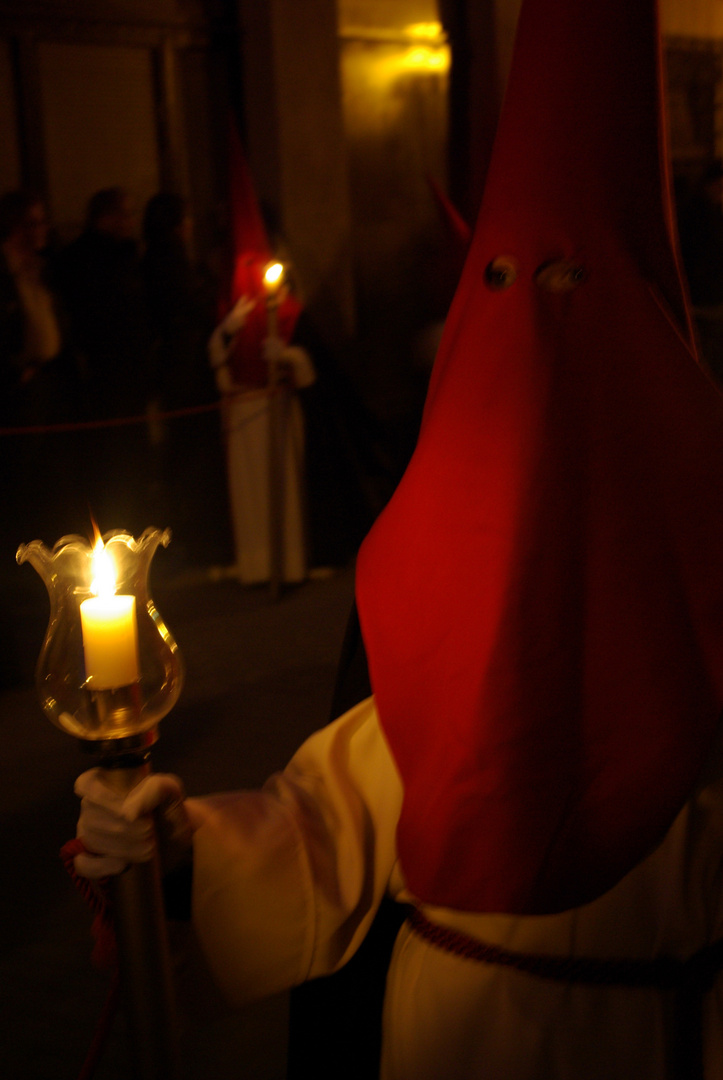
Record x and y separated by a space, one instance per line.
119 421
144 418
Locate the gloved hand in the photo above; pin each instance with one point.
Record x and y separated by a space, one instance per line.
295 360
236 317
222 339
301 365
119 829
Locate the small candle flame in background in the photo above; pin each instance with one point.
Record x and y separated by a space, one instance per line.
273 274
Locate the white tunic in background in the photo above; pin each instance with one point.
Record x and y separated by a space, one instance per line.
247 431
287 881
252 483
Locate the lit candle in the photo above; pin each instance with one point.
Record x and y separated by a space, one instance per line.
273 275
273 280
110 631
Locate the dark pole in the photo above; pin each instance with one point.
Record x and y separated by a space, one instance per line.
142 939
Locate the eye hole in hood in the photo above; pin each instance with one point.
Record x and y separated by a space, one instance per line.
501 273
560 275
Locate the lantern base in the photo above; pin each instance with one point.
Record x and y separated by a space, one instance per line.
128 752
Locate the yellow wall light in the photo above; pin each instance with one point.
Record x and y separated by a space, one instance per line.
424 58
426 31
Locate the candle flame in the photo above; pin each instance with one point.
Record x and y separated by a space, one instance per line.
272 273
104 580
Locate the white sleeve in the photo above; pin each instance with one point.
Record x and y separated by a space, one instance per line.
219 346
287 880
222 339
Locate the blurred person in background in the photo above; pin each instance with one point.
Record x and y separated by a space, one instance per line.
30 334
255 371
99 280
38 378
186 450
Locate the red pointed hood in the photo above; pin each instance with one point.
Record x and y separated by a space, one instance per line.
252 254
542 600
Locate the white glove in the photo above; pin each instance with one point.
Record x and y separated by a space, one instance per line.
296 360
302 368
119 829
222 339
236 317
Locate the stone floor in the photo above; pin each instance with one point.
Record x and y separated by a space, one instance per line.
259 676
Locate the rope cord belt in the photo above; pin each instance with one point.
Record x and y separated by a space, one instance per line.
663 972
689 979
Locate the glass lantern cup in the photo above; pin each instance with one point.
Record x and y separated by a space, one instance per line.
106 719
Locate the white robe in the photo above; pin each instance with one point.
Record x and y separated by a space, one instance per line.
264 436
247 431
287 881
